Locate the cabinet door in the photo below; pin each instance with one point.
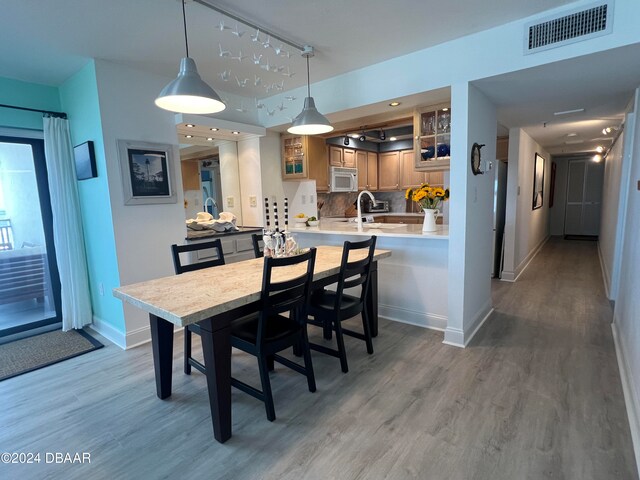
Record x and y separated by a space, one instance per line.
316 150
435 178
349 158
335 156
361 164
294 164
372 171
389 171
410 177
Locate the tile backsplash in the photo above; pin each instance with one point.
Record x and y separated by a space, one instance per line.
335 204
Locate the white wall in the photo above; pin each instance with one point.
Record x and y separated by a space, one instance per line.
609 212
471 210
250 181
230 180
143 233
525 229
626 324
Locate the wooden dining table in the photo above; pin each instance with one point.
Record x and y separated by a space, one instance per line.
213 298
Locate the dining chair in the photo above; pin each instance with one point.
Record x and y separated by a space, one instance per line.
180 268
330 308
258 250
269 332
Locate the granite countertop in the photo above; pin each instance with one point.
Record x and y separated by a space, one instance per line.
334 226
198 234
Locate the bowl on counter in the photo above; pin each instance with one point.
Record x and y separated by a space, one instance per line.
300 220
313 223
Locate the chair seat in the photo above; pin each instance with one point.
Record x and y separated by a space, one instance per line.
277 328
324 301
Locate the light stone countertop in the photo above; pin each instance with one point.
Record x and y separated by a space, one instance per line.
194 296
333 226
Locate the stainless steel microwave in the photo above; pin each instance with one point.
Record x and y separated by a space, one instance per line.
343 179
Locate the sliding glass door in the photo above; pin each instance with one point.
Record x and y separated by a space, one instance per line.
29 282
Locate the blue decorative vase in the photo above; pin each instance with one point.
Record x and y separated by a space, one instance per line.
428 152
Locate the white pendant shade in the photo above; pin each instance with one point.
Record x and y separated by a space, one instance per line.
310 121
188 93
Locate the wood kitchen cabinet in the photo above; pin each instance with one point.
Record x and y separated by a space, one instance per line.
304 157
389 171
367 165
435 178
409 176
342 157
432 137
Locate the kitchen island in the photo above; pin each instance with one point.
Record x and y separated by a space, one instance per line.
413 281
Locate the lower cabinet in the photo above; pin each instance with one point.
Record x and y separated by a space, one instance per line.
235 248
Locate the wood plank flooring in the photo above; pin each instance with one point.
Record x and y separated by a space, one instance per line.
536 395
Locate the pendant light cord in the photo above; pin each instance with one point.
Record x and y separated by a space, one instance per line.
184 20
308 81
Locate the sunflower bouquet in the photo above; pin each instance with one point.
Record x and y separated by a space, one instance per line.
427 197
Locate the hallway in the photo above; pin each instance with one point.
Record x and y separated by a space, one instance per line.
536 395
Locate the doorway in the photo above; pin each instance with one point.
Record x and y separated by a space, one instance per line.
584 198
29 282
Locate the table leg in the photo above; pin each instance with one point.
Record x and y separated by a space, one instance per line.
372 299
216 349
162 347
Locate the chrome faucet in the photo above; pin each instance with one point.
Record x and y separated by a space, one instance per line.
360 207
213 203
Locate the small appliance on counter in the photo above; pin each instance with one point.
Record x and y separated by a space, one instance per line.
376 207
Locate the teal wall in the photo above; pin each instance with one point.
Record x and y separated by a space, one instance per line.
29 95
79 99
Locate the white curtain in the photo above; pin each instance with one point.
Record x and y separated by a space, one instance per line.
67 224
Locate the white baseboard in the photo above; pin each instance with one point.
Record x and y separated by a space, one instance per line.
631 401
411 317
512 276
109 332
457 337
605 274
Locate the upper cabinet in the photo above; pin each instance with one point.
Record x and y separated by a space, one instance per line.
342 157
432 137
304 157
367 164
389 171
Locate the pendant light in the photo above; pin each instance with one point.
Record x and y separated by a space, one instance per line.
310 121
188 93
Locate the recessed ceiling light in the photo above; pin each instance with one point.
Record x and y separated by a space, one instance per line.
189 136
392 139
210 139
572 134
354 135
568 112
394 104
213 129
597 158
607 130
599 149
190 125
235 133
445 109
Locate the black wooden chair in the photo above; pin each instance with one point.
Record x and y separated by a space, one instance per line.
329 308
270 332
181 267
257 249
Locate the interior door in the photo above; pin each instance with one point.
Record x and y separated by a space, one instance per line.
584 198
29 282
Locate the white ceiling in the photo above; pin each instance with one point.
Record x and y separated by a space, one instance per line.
51 40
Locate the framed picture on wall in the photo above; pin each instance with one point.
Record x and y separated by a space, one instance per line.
538 182
147 172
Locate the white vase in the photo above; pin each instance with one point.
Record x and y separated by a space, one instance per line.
429 224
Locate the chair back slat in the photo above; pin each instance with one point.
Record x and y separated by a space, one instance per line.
290 295
180 267
357 272
258 245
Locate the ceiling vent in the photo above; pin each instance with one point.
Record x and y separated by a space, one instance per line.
565 28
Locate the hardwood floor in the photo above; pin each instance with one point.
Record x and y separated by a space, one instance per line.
536 395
